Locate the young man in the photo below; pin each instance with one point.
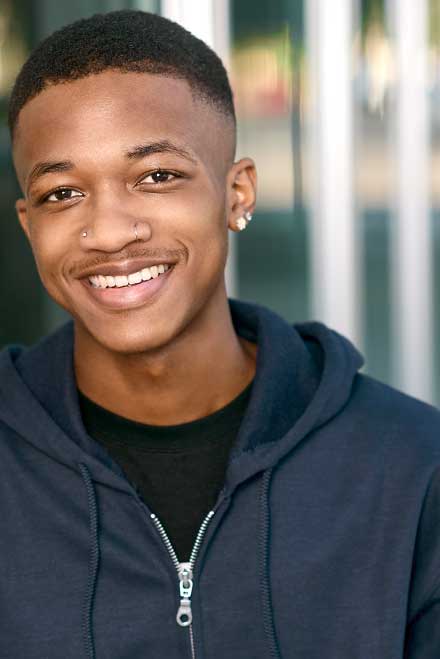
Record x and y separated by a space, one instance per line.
186 475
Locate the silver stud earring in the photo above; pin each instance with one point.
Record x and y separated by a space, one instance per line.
243 221
84 234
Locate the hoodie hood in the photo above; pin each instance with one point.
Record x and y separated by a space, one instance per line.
304 375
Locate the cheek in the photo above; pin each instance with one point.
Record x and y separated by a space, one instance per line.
49 249
205 234
204 219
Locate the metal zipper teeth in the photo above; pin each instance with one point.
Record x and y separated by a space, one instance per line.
166 540
195 550
191 638
199 538
198 541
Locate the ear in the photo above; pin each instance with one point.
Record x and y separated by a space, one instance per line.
21 210
242 190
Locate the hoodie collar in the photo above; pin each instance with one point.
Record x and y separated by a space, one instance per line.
304 375
286 379
40 381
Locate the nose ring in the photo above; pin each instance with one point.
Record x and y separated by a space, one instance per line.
84 233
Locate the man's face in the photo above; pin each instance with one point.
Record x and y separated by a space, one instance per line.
116 155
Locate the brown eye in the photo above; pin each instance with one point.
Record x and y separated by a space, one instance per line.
159 176
63 194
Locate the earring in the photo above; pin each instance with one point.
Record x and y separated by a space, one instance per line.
84 234
243 221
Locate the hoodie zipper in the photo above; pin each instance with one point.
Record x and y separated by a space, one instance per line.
185 573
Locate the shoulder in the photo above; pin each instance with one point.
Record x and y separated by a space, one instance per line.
388 400
404 420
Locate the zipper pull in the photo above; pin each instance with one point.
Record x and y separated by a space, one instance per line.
184 614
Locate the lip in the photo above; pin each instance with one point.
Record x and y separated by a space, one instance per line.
128 297
123 268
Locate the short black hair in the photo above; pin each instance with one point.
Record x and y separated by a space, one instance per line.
125 40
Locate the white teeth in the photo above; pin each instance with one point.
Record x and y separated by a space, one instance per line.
107 281
122 280
136 278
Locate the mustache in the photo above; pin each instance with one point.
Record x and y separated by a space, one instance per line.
159 253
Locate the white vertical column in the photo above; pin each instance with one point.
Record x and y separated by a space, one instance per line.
195 16
412 319
334 244
210 21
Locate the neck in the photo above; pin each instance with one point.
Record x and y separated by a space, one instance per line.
194 375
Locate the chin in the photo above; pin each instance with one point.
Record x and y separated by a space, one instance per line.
138 330
128 338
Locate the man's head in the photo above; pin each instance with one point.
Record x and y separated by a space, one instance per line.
125 40
123 132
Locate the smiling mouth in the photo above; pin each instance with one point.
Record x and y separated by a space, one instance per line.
132 279
123 292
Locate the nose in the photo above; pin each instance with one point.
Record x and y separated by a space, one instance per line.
114 222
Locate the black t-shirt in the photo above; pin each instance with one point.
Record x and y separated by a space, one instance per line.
177 470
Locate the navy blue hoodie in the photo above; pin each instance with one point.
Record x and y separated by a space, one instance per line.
324 542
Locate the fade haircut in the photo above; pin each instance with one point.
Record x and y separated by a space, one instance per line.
129 41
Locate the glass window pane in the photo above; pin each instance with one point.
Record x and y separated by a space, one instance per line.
267 66
373 77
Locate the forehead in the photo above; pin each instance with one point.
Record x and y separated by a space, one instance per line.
108 112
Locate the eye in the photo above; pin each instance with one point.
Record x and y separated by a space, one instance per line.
62 194
159 176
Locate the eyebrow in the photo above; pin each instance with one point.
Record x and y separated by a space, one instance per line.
42 168
135 153
151 148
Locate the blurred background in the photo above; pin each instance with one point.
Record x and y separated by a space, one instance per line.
339 105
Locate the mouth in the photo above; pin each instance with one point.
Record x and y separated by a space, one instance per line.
132 279
122 292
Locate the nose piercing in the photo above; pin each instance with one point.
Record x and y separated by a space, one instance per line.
84 233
